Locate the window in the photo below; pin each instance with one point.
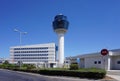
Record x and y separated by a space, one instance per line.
118 62
95 62
99 62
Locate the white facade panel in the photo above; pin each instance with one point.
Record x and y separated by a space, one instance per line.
116 62
97 62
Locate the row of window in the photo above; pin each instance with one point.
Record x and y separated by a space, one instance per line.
30 51
32 55
97 62
32 58
30 48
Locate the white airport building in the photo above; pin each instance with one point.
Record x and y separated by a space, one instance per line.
108 62
42 55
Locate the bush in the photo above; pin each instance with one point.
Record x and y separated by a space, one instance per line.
6 62
81 73
13 66
28 66
8 66
74 67
75 73
91 73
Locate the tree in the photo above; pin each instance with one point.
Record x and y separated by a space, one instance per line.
6 62
74 67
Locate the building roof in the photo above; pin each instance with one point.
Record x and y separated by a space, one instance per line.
115 50
34 45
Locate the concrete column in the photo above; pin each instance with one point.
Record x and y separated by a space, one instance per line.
109 62
61 49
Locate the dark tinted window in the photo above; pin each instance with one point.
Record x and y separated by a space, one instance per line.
118 62
95 62
99 62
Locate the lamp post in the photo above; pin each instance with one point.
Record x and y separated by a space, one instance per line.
20 40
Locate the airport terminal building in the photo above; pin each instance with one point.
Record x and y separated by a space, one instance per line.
108 62
42 55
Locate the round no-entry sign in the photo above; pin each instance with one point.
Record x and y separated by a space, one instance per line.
104 52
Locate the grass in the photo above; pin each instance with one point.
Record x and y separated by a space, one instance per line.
91 70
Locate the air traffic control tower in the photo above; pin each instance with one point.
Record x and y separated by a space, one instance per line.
60 26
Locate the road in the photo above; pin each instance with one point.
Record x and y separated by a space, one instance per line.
7 75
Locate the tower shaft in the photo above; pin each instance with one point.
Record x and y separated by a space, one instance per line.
61 49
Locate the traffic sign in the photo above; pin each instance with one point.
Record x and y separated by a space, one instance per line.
104 52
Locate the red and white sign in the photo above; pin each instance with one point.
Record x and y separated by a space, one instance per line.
104 52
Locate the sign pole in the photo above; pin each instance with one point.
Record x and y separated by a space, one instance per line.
104 52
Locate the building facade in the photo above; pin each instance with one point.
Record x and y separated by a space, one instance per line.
42 55
96 60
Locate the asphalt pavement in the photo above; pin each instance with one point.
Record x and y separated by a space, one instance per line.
7 75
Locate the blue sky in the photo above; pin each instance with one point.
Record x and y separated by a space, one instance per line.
94 24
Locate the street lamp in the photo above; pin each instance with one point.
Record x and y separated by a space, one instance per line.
16 30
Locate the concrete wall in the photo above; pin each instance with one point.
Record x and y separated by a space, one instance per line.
97 62
114 62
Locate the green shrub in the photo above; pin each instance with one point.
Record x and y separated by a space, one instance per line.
13 66
75 73
74 67
6 65
6 62
92 73
81 73
28 66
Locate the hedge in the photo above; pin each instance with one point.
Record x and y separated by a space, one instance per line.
27 70
83 74
71 73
